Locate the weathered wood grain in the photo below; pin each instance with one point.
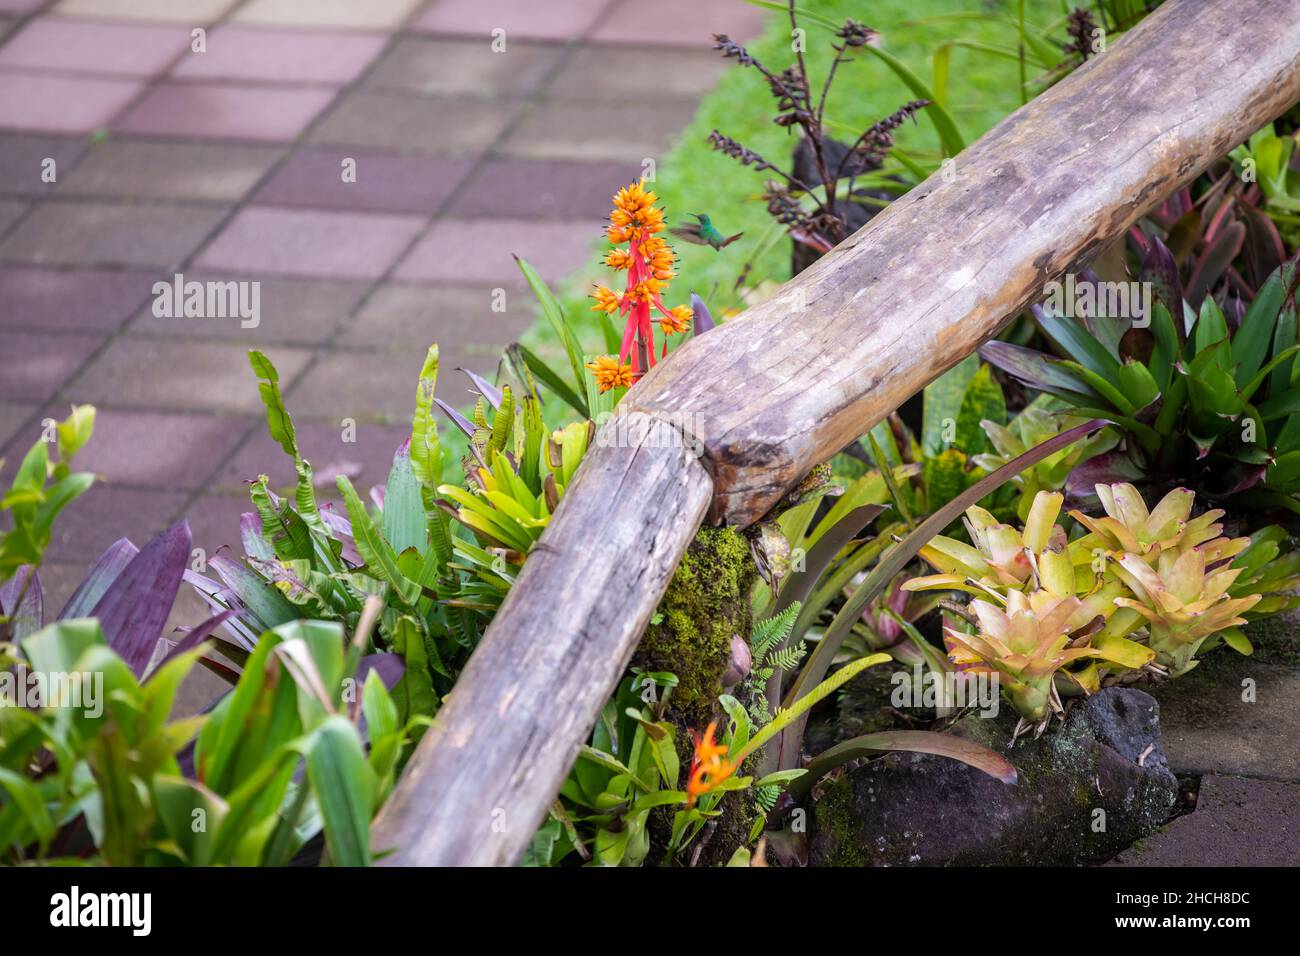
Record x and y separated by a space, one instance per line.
934 275
772 392
481 780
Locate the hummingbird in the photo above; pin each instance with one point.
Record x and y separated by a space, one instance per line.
704 233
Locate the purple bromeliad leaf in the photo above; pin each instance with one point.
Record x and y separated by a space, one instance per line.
23 602
103 573
134 608
390 668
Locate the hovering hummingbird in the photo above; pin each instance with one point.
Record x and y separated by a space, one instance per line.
703 233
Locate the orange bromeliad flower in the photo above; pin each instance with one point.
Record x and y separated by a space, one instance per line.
649 263
609 373
709 766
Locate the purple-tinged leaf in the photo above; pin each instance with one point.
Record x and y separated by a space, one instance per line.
819 557
220 598
1264 250
23 602
703 318
197 635
1214 262
461 422
268 606
1105 469
390 668
341 528
1037 370
250 534
101 574
911 741
485 388
134 610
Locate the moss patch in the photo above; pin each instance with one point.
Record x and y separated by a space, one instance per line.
707 602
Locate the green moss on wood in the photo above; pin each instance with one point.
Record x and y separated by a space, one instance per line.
707 602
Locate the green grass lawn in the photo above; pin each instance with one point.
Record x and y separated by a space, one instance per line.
691 177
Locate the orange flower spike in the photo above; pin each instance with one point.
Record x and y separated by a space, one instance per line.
649 263
709 766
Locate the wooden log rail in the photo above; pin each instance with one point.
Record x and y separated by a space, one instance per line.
784 386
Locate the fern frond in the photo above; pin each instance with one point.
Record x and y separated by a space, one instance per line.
765 797
787 658
772 631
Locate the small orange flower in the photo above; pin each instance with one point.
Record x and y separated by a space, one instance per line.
645 290
607 300
676 320
618 259
659 257
610 373
709 766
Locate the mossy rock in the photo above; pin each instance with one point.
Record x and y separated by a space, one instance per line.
1086 790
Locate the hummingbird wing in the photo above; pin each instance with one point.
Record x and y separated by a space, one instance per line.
689 232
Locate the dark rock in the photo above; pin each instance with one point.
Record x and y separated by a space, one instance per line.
1237 822
1087 790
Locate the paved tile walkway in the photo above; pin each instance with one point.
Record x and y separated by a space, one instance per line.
227 165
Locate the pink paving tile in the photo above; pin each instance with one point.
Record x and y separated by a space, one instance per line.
104 514
73 46
308 242
61 104
549 19
357 14
19 6
678 22
158 449
468 250
191 13
282 56
23 161
10 212
37 363
66 299
385 182
222 111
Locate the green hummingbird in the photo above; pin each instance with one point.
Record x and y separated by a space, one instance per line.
703 233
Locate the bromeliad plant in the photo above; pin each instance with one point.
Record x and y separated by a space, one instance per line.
441 556
1199 402
1040 607
1055 616
105 775
303 561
